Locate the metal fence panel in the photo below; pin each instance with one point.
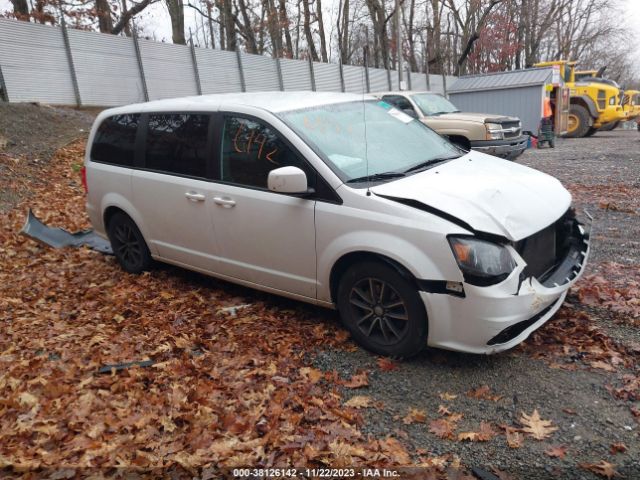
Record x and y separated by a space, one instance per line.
260 73
354 79
106 68
218 71
34 63
418 81
394 80
378 80
327 77
295 74
168 69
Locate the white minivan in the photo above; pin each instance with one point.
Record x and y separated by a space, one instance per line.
342 201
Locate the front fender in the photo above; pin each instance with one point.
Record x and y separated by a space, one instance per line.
438 264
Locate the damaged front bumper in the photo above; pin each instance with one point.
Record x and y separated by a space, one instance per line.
492 319
510 148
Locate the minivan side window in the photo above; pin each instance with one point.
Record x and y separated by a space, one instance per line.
177 143
115 139
250 150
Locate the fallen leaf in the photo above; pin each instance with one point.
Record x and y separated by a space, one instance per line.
357 381
535 426
618 447
442 428
515 439
485 434
602 468
414 416
311 374
446 396
387 365
483 393
602 366
26 399
559 451
359 401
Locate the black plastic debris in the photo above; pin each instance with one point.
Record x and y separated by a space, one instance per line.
58 237
122 366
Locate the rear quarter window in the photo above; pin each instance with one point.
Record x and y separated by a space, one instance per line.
115 140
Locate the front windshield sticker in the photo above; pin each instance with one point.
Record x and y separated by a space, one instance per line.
403 117
384 105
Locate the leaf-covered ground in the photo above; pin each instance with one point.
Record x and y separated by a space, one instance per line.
275 383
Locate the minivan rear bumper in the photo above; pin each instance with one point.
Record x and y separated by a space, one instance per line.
509 148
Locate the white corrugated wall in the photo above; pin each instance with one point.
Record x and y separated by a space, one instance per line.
106 68
218 71
168 69
34 63
327 77
296 74
354 79
378 80
260 73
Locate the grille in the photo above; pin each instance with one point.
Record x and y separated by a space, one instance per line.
545 250
515 133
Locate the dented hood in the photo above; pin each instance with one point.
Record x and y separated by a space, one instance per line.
489 194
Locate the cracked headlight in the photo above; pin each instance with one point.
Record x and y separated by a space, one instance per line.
494 131
482 263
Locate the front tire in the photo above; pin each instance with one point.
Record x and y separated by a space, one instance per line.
128 244
382 310
578 121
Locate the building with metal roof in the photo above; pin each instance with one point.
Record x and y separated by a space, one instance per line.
517 93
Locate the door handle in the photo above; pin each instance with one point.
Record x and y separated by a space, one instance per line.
195 197
224 201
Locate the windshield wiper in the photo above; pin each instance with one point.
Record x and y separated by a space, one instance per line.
376 176
430 162
440 113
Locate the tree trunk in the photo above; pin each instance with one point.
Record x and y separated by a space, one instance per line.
105 22
20 9
284 25
307 32
209 13
176 12
248 31
323 42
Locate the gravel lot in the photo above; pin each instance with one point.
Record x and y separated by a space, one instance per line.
546 373
601 171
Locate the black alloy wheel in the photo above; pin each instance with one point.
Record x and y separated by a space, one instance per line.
382 309
128 244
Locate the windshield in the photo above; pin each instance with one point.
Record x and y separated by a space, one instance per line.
433 104
369 138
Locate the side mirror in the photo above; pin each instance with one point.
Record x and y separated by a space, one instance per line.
288 180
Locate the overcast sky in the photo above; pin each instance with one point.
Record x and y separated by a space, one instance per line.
155 19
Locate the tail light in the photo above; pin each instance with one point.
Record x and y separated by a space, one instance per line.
83 172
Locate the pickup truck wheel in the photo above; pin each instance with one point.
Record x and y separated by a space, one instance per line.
382 310
578 124
128 244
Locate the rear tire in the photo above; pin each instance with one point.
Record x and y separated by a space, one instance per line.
581 117
607 127
382 309
128 244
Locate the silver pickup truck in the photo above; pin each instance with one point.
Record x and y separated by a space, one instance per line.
493 134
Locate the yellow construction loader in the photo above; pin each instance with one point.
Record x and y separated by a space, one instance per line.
630 101
594 102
